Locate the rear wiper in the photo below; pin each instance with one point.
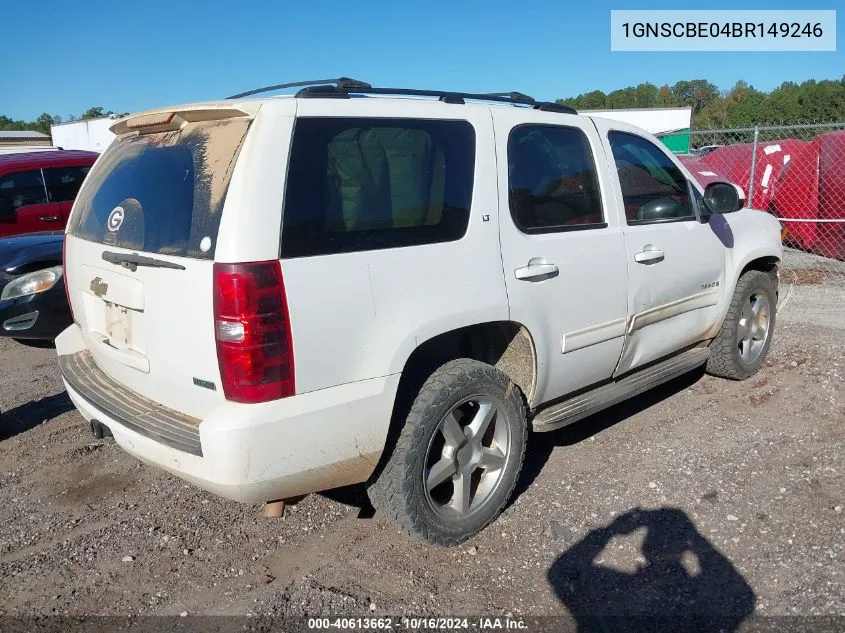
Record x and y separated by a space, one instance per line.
133 260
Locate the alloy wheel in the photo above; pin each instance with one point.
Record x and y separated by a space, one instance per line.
754 325
466 457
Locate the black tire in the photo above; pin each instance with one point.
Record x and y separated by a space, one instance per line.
725 359
399 494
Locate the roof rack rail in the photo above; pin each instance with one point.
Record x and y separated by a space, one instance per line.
341 82
448 96
521 96
551 106
545 106
343 87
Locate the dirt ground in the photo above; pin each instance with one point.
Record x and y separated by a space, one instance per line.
704 496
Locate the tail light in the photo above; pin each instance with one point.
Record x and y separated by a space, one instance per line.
64 274
252 329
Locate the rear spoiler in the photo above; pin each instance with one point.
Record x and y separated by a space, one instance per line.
170 120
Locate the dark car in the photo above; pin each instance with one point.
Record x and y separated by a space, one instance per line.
698 152
33 303
37 189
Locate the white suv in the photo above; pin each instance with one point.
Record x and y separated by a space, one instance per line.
278 296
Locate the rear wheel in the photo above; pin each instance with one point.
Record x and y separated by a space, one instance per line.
746 335
458 455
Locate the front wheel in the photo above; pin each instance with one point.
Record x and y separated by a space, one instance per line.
746 335
458 456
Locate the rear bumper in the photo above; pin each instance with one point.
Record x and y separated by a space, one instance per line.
253 453
139 414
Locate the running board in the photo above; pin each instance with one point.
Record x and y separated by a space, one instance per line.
595 400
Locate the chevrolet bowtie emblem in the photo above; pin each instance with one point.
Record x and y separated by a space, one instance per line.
99 287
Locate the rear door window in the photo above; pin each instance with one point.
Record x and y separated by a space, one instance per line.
161 193
552 180
364 184
22 188
63 183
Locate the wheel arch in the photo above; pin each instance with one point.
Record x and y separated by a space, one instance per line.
507 345
766 264
762 259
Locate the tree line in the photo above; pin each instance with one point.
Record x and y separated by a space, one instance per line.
43 122
742 105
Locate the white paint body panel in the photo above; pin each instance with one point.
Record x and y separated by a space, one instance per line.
670 302
357 317
667 309
254 453
252 215
755 235
170 319
590 289
361 315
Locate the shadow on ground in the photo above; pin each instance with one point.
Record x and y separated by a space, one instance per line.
678 582
31 414
37 343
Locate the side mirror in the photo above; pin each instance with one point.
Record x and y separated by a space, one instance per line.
723 197
659 209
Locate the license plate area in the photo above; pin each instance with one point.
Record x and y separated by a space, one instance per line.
118 326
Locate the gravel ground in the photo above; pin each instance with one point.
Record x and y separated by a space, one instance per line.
703 496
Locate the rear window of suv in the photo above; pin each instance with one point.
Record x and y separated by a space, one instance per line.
364 184
161 193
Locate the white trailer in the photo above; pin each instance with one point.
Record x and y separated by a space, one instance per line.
654 120
92 135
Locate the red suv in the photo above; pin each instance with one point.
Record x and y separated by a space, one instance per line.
37 189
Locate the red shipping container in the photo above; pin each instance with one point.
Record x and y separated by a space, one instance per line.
796 194
733 163
830 239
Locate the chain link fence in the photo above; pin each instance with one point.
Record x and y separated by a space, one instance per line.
795 172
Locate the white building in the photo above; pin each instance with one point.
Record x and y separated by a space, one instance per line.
653 120
92 135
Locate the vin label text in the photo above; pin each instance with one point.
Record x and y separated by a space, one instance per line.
722 30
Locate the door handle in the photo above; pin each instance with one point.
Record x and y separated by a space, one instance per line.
649 255
538 269
49 218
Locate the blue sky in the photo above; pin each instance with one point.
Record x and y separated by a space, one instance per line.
130 55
